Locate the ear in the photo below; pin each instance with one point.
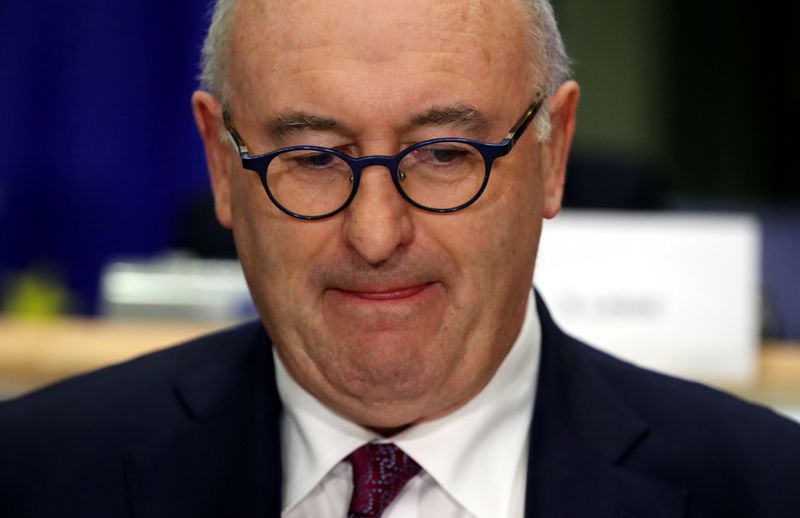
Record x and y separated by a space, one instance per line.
208 116
562 106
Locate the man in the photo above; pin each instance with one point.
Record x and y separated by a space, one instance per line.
385 168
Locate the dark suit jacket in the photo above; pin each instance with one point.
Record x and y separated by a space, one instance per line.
193 432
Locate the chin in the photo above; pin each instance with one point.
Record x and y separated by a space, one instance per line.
378 389
389 419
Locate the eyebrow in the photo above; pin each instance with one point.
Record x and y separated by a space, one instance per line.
297 122
458 115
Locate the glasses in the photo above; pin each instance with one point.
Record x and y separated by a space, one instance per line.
440 175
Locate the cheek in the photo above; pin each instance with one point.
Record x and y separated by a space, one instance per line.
277 252
253 225
503 230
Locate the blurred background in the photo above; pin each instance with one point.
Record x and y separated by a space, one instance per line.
687 106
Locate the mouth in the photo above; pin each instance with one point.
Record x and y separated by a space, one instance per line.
387 294
392 310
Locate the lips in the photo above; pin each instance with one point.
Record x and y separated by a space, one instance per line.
385 294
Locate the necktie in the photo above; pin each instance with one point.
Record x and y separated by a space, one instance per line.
379 473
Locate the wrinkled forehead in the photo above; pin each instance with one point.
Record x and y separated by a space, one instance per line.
273 40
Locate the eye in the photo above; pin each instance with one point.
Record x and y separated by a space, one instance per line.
446 155
438 155
315 160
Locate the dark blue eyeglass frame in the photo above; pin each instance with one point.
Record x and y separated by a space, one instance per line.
489 151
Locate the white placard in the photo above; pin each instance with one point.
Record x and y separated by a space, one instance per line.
678 293
176 287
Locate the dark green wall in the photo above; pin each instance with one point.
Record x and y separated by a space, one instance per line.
707 93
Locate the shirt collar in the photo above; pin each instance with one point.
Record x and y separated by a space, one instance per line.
472 453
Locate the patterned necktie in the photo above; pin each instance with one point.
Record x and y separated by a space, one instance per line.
379 473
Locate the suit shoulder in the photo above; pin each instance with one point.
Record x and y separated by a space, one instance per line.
699 424
657 393
127 389
66 446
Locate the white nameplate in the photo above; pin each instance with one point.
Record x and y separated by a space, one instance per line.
678 293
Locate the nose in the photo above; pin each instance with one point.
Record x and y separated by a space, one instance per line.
378 220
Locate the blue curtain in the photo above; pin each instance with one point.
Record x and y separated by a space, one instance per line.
98 148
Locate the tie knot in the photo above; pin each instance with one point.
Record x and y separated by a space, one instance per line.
379 473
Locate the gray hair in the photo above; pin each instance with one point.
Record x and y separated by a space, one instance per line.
213 57
549 56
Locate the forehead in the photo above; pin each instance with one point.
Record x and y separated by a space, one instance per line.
403 51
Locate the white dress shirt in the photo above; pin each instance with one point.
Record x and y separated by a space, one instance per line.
474 460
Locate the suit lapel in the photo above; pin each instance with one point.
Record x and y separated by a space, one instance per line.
225 460
580 436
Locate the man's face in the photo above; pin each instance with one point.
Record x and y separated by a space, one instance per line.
388 314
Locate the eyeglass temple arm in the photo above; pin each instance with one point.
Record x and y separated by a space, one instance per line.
519 128
237 140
